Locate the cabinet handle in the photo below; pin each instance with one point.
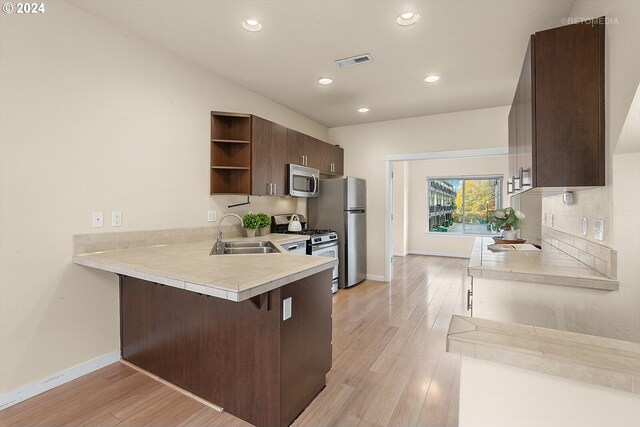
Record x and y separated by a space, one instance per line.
469 299
275 189
509 187
516 183
525 177
306 161
302 161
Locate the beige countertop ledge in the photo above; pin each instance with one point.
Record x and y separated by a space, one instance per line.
549 266
591 359
188 266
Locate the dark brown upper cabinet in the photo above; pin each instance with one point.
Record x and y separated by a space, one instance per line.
556 122
330 158
268 158
301 149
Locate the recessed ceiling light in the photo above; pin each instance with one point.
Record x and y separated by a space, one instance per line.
432 78
363 110
407 18
325 81
251 25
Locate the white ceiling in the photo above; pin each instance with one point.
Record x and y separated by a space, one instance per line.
477 46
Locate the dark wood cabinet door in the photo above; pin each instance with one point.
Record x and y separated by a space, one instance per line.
301 149
338 159
279 151
268 158
569 105
513 147
324 156
295 147
330 158
528 104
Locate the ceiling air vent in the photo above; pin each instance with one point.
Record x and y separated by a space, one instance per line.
354 60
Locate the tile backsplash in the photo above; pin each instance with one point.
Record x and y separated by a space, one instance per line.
600 258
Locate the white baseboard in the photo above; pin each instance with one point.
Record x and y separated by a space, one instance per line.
443 254
27 391
400 254
375 277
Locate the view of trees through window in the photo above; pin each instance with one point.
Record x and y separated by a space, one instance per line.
462 204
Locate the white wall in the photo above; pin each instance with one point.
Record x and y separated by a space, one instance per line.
365 148
94 119
422 242
400 208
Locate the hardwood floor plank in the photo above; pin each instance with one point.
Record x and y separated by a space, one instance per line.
43 404
435 409
326 406
407 410
389 368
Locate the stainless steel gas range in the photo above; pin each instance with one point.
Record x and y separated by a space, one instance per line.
321 242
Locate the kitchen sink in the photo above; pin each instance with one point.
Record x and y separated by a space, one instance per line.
237 251
240 248
247 244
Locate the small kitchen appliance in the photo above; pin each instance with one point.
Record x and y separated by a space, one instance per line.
303 181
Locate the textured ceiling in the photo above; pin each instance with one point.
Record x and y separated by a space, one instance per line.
477 46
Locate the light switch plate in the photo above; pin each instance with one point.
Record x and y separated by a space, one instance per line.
585 223
116 219
211 216
286 309
97 220
598 228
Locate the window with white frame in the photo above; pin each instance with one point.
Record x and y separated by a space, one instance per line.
461 205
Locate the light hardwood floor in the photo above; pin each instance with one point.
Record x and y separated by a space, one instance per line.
390 367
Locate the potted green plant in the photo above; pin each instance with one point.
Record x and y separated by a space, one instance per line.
251 223
506 219
265 223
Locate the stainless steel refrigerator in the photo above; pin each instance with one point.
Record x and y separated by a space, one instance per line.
341 206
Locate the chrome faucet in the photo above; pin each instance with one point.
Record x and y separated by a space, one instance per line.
218 247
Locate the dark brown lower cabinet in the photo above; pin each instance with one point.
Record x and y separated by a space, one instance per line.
239 355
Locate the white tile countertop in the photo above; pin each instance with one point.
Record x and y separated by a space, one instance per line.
189 266
549 265
591 359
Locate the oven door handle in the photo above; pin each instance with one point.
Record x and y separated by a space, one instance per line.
324 246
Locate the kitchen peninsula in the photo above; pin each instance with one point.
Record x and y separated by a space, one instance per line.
214 326
551 287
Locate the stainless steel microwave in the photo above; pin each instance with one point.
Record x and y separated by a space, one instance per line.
303 181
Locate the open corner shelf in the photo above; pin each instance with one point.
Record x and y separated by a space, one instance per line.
230 153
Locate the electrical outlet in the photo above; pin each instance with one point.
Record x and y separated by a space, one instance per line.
286 309
211 217
553 220
116 219
598 228
584 226
97 220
